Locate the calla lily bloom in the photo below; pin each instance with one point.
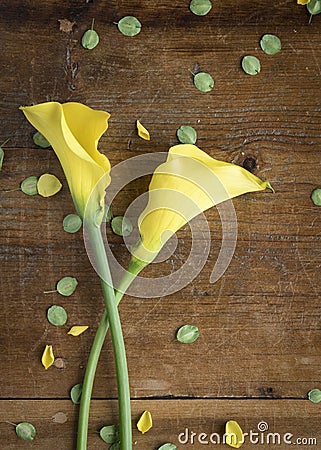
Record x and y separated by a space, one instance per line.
303 2
188 183
73 130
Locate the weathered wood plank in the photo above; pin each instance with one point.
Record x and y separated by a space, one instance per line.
173 421
267 323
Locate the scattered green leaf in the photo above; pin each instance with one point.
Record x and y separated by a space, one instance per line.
72 223
40 140
186 134
90 38
314 396
115 446
75 393
29 185
26 431
57 315
109 434
67 286
203 81
121 226
129 26
251 65
316 196
200 7
187 334
167 446
270 44
48 185
314 7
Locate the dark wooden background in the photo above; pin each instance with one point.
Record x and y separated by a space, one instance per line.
259 352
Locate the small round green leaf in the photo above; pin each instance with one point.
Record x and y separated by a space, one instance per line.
29 185
121 226
200 7
187 334
270 44
109 434
167 446
316 196
314 7
203 81
186 134
72 223
129 26
57 315
314 396
90 39
40 140
115 446
67 286
26 431
251 65
75 393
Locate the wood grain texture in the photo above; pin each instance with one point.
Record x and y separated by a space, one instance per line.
292 420
260 323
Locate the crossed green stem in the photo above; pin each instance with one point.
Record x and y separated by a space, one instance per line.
110 318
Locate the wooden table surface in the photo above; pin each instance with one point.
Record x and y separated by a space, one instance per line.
259 350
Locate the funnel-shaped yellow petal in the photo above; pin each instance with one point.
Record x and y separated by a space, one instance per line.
188 183
73 131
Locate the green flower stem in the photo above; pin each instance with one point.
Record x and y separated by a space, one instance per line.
89 381
134 268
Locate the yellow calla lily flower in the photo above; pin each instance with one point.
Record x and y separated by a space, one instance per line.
73 131
303 2
188 183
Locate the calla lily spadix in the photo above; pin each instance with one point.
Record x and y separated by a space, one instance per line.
188 183
73 130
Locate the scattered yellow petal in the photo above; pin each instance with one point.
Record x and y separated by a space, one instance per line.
48 185
47 357
233 434
145 422
77 330
142 132
303 2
